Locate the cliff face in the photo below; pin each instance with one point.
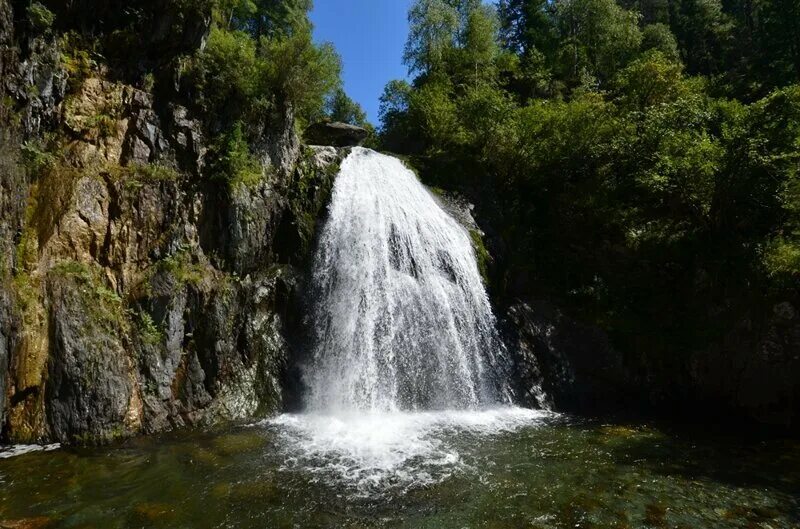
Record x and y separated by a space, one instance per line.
136 296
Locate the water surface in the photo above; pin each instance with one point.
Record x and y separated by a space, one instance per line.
493 469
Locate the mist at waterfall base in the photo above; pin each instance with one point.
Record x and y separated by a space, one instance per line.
405 355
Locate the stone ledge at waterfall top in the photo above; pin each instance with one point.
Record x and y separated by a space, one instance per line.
336 134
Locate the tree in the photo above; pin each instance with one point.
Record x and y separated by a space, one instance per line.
479 43
704 32
340 107
271 18
300 72
778 27
660 38
528 25
598 38
396 134
433 29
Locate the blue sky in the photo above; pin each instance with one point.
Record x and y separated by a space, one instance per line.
369 35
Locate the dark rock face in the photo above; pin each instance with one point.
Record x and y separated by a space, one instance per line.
752 374
40 85
573 364
335 134
90 383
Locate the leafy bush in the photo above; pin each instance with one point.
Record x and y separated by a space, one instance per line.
626 186
234 162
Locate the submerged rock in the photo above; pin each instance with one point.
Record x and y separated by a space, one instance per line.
335 134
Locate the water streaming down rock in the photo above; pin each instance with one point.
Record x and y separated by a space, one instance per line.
400 317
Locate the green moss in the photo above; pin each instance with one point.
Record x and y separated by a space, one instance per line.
234 163
76 59
104 124
136 175
40 17
36 160
481 254
182 267
89 277
106 305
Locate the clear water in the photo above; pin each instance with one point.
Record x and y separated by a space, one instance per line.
400 317
495 471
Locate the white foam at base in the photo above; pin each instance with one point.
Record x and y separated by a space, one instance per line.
369 452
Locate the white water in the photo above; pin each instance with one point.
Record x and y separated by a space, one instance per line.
405 360
19 450
401 318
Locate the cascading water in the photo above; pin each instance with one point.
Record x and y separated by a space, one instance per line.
401 319
405 366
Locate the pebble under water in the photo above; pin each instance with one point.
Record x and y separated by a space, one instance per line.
505 469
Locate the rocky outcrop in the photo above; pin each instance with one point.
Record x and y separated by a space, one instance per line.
91 386
335 134
141 312
137 299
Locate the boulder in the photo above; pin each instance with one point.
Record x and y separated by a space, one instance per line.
335 134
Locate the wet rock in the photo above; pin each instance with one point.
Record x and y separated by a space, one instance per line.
336 134
574 364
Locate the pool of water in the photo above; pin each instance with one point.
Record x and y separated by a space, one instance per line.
493 469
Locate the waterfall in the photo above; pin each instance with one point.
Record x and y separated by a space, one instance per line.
405 369
399 315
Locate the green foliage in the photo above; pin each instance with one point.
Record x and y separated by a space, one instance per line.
302 73
271 18
148 330
234 163
636 162
40 17
228 79
259 65
659 37
183 268
598 38
653 79
76 59
35 159
433 27
340 107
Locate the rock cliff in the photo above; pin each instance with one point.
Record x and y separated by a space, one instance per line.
137 296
